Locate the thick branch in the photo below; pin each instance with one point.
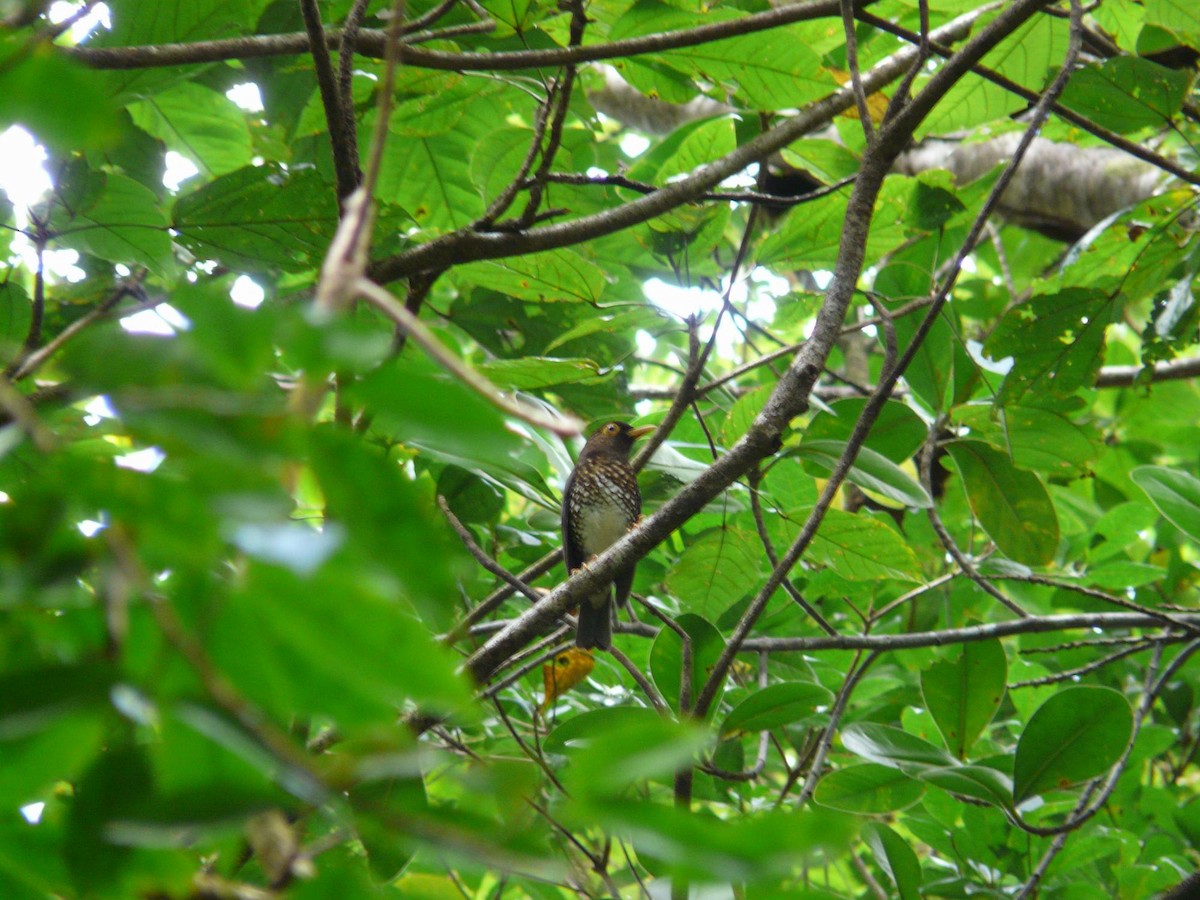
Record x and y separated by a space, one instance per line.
371 42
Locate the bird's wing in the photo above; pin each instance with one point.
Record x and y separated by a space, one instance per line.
572 552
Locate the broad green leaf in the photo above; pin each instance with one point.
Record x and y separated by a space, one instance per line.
666 657
809 236
1177 16
625 751
390 521
962 693
868 788
1011 504
871 471
979 782
706 141
1044 440
742 415
259 219
327 646
894 856
532 373
1125 94
765 71
59 750
199 123
749 848
1055 342
588 728
893 747
209 774
140 22
431 103
540 277
861 548
1075 735
429 178
897 434
58 99
125 225
775 705
410 397
1121 575
1025 56
15 316
716 571
114 786
1174 493
34 699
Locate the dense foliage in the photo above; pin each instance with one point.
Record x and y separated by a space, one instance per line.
916 592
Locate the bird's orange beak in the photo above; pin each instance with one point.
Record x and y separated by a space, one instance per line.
638 432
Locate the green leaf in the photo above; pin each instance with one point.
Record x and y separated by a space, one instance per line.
141 22
199 123
331 645
58 99
540 277
59 750
259 219
768 70
809 236
979 782
614 753
429 178
1044 440
410 396
963 693
871 471
1174 493
868 788
33 699
15 316
715 571
125 225
894 856
1125 94
897 434
775 705
861 548
749 848
586 729
893 747
1075 735
114 786
1012 505
531 373
666 657
1055 342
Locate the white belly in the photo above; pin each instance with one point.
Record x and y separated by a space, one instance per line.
604 524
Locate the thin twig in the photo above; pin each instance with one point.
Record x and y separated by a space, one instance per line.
565 426
481 557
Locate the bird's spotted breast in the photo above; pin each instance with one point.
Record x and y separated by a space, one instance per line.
603 505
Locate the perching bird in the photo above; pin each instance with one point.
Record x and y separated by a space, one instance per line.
600 503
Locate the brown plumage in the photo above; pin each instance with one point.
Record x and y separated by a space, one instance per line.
600 503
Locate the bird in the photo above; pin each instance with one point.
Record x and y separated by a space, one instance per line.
601 502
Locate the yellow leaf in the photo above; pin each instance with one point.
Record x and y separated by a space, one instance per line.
565 671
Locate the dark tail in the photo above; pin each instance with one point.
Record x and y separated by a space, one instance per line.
595 624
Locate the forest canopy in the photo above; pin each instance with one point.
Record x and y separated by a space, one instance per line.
308 308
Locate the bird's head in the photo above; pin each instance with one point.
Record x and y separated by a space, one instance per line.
614 437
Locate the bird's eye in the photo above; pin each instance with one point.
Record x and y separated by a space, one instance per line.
610 428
